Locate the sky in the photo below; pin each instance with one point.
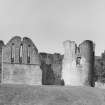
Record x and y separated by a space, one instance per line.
50 22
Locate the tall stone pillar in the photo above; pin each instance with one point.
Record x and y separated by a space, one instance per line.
70 74
87 62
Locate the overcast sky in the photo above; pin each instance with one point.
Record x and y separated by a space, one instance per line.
50 22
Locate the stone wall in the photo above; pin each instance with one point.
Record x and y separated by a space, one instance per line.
70 74
57 68
47 72
87 54
21 74
78 63
21 63
1 45
51 65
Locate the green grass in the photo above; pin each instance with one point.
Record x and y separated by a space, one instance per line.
50 95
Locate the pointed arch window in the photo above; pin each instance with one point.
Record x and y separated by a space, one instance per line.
12 53
79 49
21 53
75 49
78 60
28 54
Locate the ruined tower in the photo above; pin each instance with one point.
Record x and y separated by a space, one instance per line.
78 63
21 64
69 71
87 62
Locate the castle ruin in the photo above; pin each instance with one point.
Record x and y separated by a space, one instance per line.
78 63
20 62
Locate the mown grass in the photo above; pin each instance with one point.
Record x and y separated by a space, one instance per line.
50 95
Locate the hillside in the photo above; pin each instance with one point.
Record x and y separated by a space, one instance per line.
50 95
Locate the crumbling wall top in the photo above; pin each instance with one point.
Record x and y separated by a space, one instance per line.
19 50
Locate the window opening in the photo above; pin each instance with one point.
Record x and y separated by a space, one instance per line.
12 53
21 53
78 60
28 54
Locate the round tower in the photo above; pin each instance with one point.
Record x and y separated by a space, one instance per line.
70 75
87 60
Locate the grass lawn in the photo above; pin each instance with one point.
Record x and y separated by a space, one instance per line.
50 95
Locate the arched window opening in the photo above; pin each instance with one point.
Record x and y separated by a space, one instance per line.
78 60
28 53
75 49
12 53
78 50
21 53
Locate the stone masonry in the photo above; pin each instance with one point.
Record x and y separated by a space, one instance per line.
1 45
20 62
51 65
78 63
